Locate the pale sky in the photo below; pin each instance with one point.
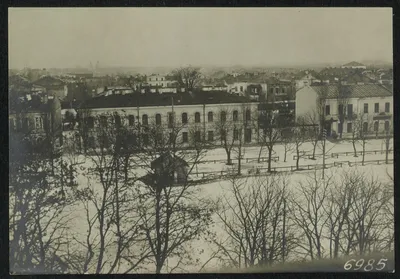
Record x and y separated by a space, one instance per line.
150 37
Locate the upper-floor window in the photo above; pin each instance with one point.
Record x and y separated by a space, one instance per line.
131 119
184 118
248 115
340 109
223 116
376 107
387 107
197 117
271 90
327 110
158 119
277 90
235 115
210 116
145 119
241 88
283 90
156 79
365 108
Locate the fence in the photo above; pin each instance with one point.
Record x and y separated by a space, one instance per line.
337 154
256 171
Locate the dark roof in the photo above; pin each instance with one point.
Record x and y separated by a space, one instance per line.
166 158
353 91
69 105
357 77
49 82
165 99
353 63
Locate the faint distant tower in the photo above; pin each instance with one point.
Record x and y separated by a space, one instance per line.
96 69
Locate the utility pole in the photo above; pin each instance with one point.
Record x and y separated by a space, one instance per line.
323 152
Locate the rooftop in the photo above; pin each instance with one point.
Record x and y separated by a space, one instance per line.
353 91
154 99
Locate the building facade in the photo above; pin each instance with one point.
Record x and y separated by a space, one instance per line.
189 116
342 108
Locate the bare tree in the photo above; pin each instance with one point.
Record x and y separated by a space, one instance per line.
287 140
38 219
171 212
342 100
361 130
227 131
108 201
253 216
388 134
309 214
188 77
269 122
312 119
299 137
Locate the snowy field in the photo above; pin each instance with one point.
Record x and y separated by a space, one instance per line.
219 188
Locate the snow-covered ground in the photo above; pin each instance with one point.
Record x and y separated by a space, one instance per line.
216 189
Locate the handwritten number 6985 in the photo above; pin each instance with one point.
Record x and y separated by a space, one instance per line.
368 267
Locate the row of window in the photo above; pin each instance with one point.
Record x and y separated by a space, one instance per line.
282 89
184 117
365 127
26 123
350 108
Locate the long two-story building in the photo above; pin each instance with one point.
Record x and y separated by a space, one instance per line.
196 114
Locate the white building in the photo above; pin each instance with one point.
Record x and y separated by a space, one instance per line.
373 102
159 81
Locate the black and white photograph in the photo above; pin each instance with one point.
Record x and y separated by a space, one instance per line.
200 140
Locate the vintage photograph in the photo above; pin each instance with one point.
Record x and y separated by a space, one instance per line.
200 140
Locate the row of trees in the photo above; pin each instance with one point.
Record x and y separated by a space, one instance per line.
266 220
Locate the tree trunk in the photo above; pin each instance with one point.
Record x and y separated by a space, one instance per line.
240 161
284 154
387 149
228 155
259 153
269 158
314 147
354 148
298 157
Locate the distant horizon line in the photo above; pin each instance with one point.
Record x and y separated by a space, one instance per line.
316 64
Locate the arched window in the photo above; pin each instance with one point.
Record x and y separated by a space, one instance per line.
197 117
184 118
145 119
235 115
223 116
131 119
248 115
210 116
158 119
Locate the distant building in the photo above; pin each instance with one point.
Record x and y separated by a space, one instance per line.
54 86
305 79
354 65
373 102
39 118
160 81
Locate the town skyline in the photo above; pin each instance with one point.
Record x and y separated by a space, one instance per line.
219 41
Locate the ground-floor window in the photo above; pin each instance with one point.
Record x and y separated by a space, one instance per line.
235 134
340 128
197 136
247 137
365 127
387 124
184 137
376 126
145 138
210 135
349 127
